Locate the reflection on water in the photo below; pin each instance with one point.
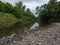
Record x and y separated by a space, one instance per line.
34 26
16 29
14 32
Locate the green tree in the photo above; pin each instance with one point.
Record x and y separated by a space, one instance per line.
37 9
50 12
1 7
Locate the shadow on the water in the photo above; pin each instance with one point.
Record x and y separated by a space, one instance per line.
17 28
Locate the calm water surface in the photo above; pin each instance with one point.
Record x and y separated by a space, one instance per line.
7 32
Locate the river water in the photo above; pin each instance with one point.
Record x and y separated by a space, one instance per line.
11 31
6 32
34 26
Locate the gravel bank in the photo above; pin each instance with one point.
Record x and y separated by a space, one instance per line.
49 36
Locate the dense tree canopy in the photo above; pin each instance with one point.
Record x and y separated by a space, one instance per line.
25 16
50 12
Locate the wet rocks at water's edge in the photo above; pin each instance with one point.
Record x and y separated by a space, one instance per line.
51 36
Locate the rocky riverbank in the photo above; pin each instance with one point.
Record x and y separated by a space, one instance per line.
49 36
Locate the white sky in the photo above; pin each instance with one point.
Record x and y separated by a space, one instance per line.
32 4
29 3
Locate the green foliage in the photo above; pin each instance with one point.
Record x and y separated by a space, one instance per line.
8 8
26 21
7 20
29 14
13 18
19 11
1 7
50 13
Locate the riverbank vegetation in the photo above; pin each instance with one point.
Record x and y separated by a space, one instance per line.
24 16
7 20
13 18
50 12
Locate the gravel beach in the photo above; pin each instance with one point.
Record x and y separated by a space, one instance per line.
49 36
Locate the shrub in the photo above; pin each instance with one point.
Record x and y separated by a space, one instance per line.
7 20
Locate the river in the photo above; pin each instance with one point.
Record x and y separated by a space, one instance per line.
12 31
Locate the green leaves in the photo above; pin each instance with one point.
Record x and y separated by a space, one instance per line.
7 20
19 11
50 10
